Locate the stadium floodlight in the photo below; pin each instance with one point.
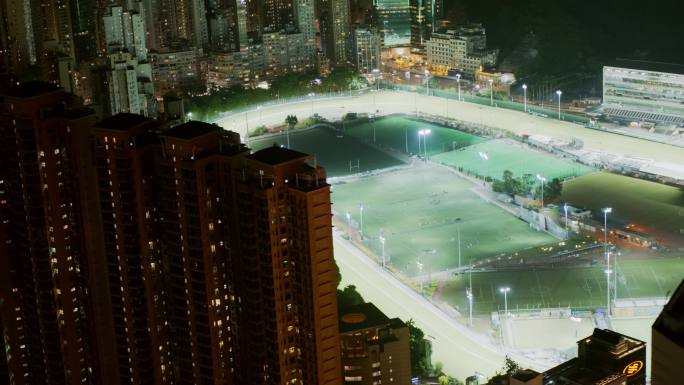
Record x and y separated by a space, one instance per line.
382 243
559 93
189 115
491 92
606 211
420 272
505 291
524 87
483 155
542 180
458 83
424 133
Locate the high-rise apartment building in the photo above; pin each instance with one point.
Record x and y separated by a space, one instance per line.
335 31
133 254
668 341
422 22
394 21
286 278
53 304
366 49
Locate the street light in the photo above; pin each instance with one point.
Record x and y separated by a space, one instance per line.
542 180
427 81
458 83
505 291
491 92
559 93
606 211
420 272
361 221
469 294
567 231
349 225
524 87
382 243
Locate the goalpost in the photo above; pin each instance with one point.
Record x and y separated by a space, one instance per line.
353 166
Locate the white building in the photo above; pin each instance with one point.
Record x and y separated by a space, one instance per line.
464 49
129 75
642 91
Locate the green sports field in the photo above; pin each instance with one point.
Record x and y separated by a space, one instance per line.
332 152
576 287
492 158
657 208
397 132
420 210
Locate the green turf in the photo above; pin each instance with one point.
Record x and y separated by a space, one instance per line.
395 132
332 152
504 155
658 208
576 287
417 210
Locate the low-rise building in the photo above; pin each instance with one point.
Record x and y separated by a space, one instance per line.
375 348
463 49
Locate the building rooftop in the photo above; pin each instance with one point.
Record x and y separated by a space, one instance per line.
276 155
645 65
31 89
191 129
364 316
670 322
526 375
122 121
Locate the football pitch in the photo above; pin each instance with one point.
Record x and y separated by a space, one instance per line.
657 208
583 288
420 212
492 158
332 152
401 135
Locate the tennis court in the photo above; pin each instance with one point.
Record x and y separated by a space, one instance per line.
420 210
492 158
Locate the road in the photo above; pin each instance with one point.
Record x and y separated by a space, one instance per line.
461 351
390 102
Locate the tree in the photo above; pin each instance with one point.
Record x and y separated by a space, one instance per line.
291 121
511 185
511 367
348 297
421 351
552 190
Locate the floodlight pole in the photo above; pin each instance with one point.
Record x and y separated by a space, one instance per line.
606 211
458 83
567 230
349 227
491 92
524 87
382 243
559 93
458 229
361 221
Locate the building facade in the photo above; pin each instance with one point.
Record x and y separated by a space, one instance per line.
644 92
54 313
463 49
375 349
395 22
668 341
145 255
366 49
